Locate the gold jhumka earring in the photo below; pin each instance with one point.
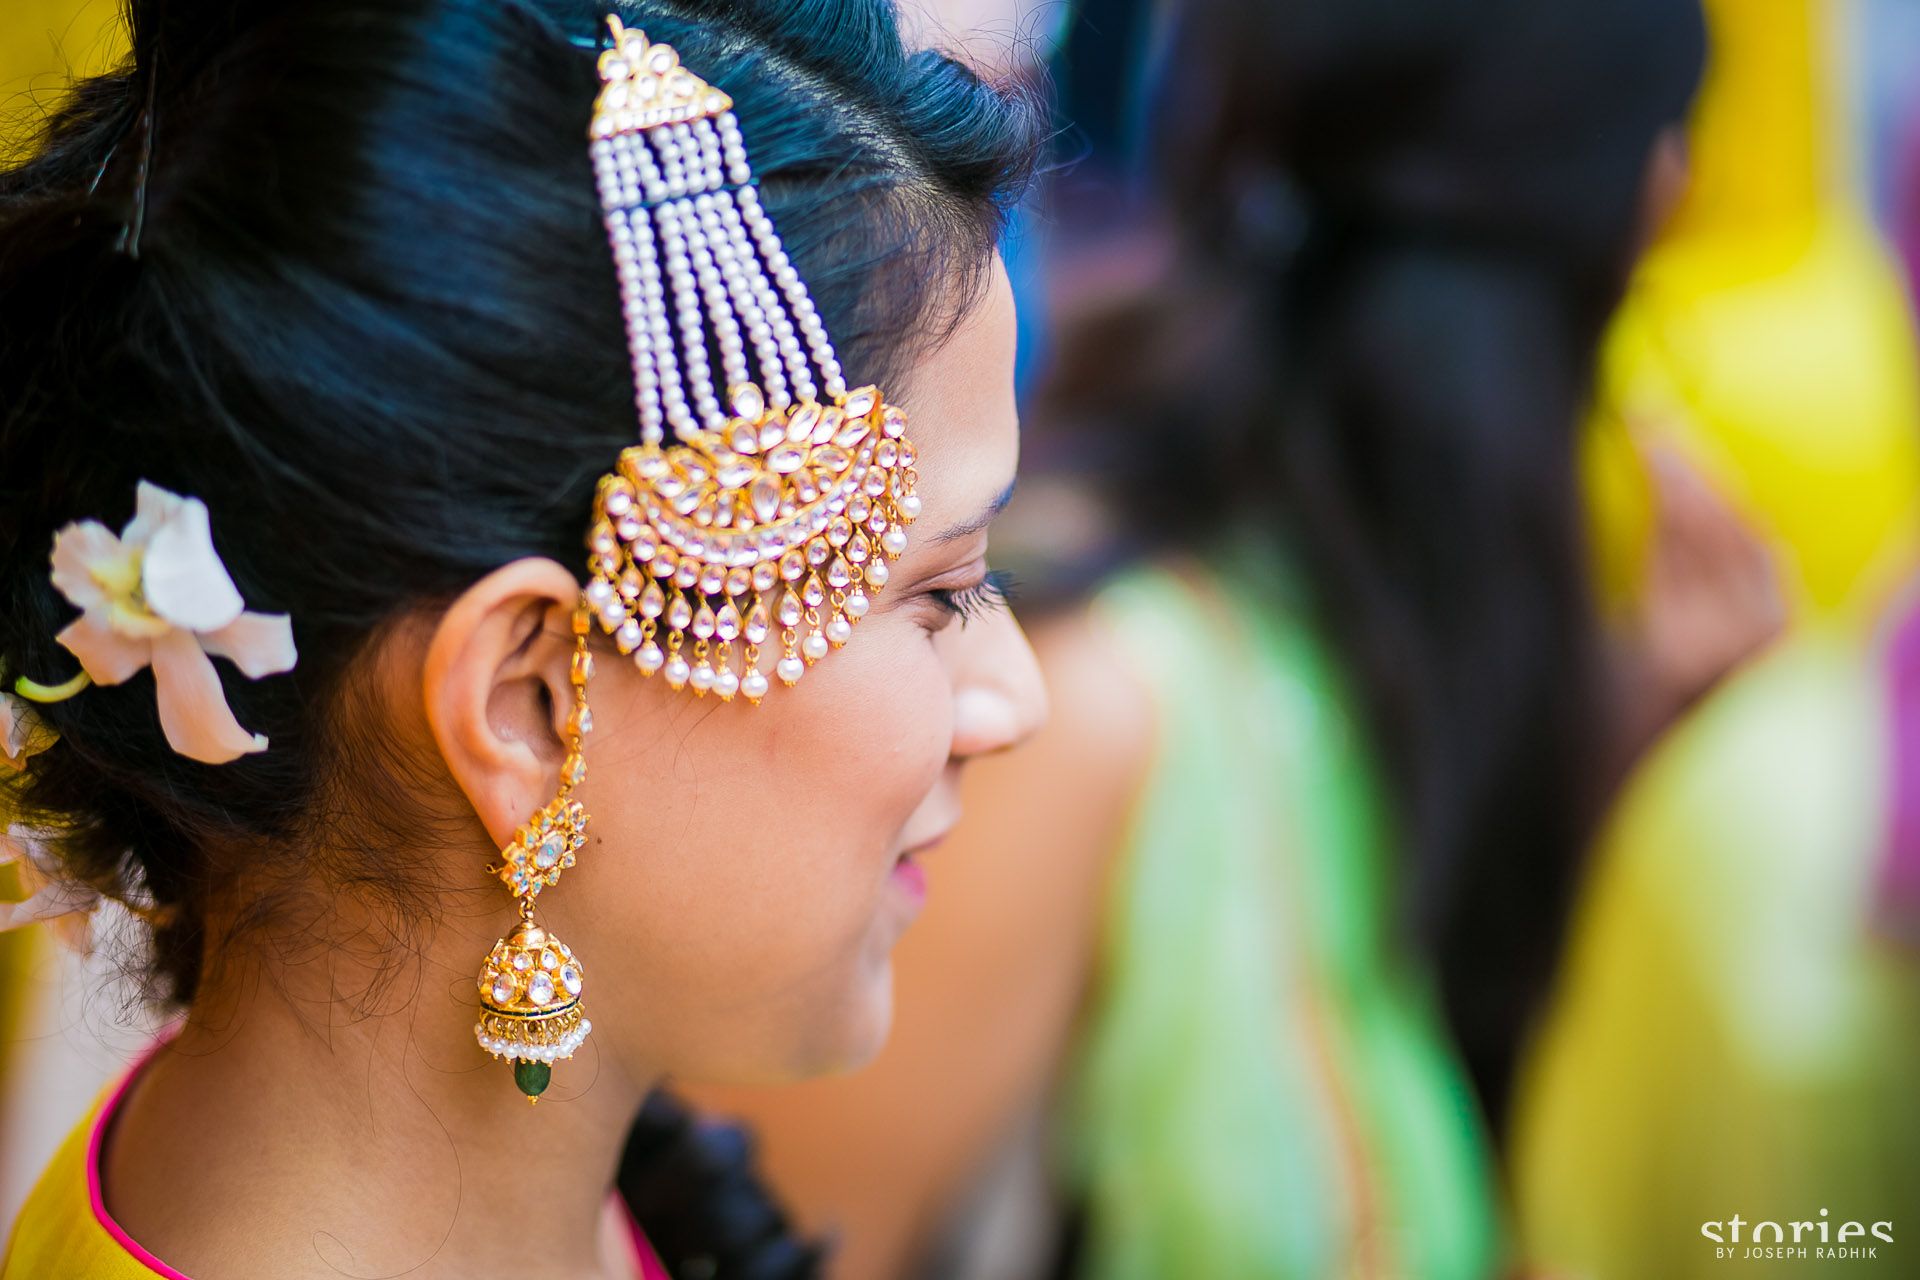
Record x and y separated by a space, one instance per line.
772 514
530 985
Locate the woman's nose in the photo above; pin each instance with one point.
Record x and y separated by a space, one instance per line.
1000 699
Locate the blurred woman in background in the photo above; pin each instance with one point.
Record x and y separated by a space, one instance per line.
1273 900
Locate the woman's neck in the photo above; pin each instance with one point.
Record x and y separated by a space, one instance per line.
280 1134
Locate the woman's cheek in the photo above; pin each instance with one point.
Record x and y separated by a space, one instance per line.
913 724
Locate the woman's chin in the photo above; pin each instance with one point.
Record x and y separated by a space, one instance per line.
863 1032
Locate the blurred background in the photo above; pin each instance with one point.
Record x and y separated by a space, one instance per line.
1471 523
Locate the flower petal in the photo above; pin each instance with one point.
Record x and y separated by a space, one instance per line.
51 903
86 552
22 732
13 726
42 894
152 507
260 644
108 656
193 707
185 582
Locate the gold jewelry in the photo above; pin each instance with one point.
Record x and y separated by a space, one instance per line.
783 509
531 983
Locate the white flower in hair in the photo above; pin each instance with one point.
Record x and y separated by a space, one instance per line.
157 595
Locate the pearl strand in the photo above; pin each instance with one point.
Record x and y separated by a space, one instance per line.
634 305
795 288
733 355
651 182
733 145
758 305
633 259
698 143
784 341
754 298
674 217
685 220
654 317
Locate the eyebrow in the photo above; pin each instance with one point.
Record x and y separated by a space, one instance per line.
980 521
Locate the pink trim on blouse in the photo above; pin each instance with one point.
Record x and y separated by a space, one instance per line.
94 1141
651 1267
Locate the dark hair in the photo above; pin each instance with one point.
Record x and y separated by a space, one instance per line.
688 1180
337 269
1401 227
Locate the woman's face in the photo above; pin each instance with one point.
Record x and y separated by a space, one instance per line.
752 867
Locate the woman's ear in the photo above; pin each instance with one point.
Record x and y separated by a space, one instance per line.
497 689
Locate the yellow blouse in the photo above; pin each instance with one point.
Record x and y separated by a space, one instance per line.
64 1231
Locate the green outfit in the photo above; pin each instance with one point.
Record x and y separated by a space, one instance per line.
1261 1087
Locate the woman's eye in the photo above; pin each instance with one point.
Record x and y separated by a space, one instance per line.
995 591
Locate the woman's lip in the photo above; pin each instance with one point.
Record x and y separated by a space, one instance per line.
911 876
907 872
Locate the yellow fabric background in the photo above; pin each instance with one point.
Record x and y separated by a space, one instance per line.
43 45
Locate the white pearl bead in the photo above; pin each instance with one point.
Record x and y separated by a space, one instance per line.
726 684
702 679
910 506
790 669
839 631
677 672
814 646
755 685
648 659
894 542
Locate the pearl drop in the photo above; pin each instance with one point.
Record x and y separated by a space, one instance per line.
702 679
895 542
814 646
910 506
726 684
677 672
790 669
755 685
839 631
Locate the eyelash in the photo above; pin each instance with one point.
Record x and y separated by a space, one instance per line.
995 591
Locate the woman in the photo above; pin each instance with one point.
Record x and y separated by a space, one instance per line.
329 299
1293 857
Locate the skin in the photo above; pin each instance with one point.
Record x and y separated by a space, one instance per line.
735 909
